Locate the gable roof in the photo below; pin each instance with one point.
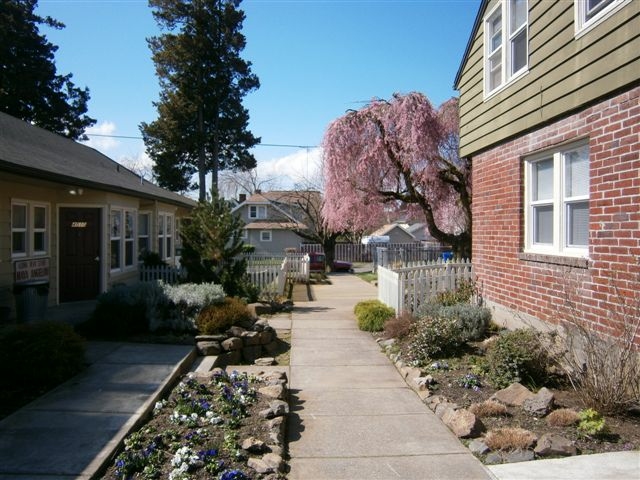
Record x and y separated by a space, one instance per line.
284 197
472 36
29 150
386 229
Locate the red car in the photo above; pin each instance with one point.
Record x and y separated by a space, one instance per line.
319 264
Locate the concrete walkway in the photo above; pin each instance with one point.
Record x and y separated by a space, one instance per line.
70 431
353 416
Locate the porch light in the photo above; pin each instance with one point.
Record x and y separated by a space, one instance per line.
76 191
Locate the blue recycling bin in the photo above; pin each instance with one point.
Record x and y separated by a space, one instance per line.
446 256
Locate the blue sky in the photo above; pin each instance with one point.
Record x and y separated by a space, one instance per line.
315 60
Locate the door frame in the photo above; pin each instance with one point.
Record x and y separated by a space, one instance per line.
102 278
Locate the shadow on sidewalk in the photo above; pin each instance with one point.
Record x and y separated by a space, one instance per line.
295 425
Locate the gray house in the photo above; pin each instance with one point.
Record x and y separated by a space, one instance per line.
272 219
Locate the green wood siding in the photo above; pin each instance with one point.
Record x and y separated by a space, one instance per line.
564 74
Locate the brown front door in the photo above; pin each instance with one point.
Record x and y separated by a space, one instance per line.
79 254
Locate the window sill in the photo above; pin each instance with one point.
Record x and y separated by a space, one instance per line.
575 262
489 95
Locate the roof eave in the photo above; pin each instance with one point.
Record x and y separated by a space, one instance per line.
476 25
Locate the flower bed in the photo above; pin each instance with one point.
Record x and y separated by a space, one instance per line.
215 426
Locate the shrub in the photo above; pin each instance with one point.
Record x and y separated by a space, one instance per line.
591 424
372 315
433 338
563 417
488 408
399 326
39 356
463 294
516 356
470 319
217 318
507 439
189 299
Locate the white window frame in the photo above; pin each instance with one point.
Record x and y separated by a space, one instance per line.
162 237
123 240
24 229
30 230
262 239
584 24
260 211
507 77
34 230
148 234
560 245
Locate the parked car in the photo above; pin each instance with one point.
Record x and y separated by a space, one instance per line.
318 263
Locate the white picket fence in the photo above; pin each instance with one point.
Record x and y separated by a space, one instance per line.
393 252
166 273
271 274
405 289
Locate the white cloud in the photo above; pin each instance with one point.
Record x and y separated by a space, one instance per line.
299 167
103 144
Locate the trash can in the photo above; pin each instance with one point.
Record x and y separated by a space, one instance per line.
31 300
446 256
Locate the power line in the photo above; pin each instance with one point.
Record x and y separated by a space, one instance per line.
257 144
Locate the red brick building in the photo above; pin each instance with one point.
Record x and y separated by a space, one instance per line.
550 116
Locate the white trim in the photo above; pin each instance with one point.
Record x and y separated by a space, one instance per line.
558 201
25 229
507 78
149 235
165 216
46 230
259 209
270 236
582 25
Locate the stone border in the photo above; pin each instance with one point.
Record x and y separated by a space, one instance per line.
105 458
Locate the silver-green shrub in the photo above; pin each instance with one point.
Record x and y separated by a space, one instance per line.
433 337
470 319
186 302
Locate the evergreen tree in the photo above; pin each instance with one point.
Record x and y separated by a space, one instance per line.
202 125
30 88
212 247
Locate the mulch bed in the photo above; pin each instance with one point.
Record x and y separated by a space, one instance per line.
624 430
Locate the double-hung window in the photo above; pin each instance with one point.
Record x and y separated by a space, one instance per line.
144 226
591 12
122 234
265 235
29 229
165 235
506 43
257 211
557 202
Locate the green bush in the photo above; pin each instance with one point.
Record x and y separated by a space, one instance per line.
217 318
463 294
39 356
470 319
372 314
433 337
592 424
188 300
517 356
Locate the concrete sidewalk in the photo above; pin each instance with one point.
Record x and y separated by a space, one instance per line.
71 430
353 417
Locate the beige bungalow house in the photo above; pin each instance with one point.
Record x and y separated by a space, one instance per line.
74 217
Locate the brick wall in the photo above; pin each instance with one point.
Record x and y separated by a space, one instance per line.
538 285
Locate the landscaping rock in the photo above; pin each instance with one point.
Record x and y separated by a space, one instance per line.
554 445
236 331
259 465
250 338
276 428
387 343
277 408
479 447
247 323
265 361
441 408
518 456
463 423
514 395
494 458
410 372
253 445
232 344
250 354
266 337
541 403
272 347
211 338
229 358
274 391
258 309
435 400
208 348
274 461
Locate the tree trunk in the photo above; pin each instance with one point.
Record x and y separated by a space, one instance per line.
202 159
329 247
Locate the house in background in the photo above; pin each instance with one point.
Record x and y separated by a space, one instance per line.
397 233
421 233
271 219
550 117
74 217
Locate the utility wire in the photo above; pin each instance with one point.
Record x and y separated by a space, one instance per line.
257 144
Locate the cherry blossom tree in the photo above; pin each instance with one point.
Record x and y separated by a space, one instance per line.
399 154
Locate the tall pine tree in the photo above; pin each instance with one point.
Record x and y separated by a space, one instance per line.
202 125
30 88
